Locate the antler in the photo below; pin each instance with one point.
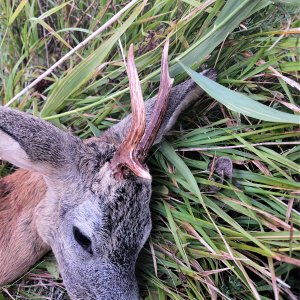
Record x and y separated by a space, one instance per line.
160 107
125 156
133 150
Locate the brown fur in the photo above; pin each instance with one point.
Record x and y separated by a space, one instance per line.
19 195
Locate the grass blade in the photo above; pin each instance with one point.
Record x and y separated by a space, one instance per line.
84 71
239 102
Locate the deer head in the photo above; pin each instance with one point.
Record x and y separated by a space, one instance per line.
95 215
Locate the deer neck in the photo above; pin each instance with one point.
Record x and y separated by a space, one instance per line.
20 244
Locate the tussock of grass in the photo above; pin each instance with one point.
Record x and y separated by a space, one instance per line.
241 242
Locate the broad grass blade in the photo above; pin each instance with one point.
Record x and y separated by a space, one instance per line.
217 33
239 102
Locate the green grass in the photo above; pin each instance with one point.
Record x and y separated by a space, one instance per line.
230 244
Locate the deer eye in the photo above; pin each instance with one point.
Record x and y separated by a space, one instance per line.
82 240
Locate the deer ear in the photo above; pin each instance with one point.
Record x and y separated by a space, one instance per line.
33 144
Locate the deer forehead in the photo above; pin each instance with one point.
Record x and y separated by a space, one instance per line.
93 194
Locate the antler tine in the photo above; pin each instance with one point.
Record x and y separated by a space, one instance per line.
125 157
160 107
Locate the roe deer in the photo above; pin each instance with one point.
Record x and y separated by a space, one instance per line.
88 200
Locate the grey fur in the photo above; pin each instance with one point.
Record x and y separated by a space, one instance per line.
84 195
41 141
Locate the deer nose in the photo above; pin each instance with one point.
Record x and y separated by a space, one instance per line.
121 290
133 296
110 282
108 291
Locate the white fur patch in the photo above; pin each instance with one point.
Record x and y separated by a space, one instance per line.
11 151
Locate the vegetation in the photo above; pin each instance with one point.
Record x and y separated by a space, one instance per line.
213 237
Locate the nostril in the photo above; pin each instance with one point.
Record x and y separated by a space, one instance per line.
82 240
